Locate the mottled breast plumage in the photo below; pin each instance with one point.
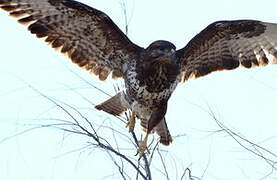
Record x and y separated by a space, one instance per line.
152 79
94 42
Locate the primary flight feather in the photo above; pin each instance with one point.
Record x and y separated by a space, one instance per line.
94 42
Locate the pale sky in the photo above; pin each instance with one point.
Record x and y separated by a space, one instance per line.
244 100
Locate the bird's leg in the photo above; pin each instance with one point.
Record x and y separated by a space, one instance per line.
143 146
131 122
155 118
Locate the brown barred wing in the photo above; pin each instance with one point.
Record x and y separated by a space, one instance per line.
226 45
88 36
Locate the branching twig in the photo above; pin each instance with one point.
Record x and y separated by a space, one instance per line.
257 149
83 131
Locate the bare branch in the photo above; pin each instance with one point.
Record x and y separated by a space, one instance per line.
250 146
124 8
163 163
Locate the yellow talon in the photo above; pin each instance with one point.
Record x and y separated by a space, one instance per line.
131 122
143 146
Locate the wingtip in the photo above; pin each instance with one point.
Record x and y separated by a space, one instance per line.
98 107
7 7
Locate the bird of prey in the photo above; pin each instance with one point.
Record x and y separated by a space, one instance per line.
94 42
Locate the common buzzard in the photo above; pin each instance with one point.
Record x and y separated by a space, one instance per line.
94 42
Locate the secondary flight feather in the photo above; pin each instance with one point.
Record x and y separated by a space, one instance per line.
94 42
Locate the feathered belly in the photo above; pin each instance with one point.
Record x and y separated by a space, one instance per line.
153 98
141 95
148 91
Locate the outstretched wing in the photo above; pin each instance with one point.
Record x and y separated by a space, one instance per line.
88 36
226 45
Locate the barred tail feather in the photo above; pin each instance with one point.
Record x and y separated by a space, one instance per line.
163 132
161 129
113 105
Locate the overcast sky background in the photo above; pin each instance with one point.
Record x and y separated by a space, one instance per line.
244 100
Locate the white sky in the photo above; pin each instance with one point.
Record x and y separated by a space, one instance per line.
244 100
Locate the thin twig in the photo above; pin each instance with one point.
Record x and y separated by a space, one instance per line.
163 163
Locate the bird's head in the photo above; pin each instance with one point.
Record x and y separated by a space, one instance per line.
160 48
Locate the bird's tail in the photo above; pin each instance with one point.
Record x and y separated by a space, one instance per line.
113 106
161 129
163 132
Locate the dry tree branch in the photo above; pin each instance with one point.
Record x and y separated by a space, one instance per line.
120 167
185 172
135 139
99 141
250 146
268 156
124 9
75 126
163 163
188 172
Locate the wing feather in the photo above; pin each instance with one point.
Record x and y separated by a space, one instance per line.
88 36
226 45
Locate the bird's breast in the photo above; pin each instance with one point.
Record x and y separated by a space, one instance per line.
150 90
